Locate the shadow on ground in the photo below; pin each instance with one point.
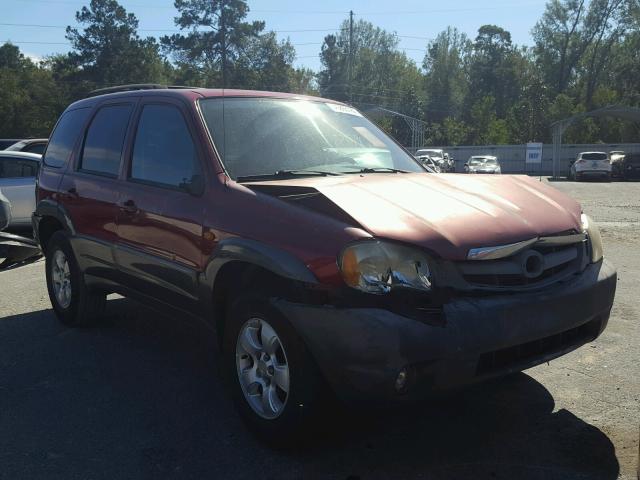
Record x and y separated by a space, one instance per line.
140 398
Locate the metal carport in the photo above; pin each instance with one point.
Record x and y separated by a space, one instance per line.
558 128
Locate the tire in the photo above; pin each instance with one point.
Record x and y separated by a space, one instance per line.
291 415
76 306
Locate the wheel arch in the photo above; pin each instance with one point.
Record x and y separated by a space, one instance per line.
238 264
50 217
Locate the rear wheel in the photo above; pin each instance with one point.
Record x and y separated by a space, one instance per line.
274 382
73 302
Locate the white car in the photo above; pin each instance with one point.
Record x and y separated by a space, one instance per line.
18 171
482 164
439 157
592 165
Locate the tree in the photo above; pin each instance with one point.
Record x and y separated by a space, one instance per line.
30 99
446 80
604 19
266 65
493 68
215 51
108 51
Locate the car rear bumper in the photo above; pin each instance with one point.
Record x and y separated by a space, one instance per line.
593 173
361 350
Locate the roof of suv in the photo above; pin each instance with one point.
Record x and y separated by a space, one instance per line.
195 93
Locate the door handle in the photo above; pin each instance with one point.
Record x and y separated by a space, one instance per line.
72 193
129 207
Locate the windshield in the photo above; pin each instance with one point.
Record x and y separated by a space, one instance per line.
476 161
594 156
262 136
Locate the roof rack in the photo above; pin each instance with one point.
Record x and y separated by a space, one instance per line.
134 86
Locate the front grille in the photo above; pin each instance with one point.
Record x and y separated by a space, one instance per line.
526 353
555 263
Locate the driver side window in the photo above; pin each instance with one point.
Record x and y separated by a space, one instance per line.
164 153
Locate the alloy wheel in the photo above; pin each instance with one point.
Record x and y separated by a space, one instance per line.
61 279
263 369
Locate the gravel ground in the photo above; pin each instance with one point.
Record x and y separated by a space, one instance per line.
140 398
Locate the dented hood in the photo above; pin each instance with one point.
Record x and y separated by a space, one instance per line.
448 213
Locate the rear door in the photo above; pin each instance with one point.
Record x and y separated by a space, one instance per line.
91 192
161 210
18 184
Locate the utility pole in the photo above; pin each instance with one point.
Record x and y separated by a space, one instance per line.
350 59
223 45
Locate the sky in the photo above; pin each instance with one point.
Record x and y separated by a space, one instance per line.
416 21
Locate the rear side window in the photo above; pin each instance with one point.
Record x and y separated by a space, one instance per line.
595 156
17 168
64 137
163 151
104 140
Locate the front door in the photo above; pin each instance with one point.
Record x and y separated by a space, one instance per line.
161 211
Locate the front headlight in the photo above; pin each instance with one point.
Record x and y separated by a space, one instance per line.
378 267
595 240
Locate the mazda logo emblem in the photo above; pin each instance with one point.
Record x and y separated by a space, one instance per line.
532 263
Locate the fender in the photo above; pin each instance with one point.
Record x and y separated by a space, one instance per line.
50 208
255 253
270 258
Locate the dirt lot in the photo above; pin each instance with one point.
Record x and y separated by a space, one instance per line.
140 398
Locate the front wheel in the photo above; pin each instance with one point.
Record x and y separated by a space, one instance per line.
275 383
72 301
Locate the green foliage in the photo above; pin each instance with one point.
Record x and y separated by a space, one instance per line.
108 51
586 55
29 96
218 41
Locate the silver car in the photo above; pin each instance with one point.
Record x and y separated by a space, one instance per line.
18 171
482 164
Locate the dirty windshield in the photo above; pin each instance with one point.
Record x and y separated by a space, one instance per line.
263 136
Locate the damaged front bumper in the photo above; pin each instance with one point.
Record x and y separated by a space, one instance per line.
361 351
16 251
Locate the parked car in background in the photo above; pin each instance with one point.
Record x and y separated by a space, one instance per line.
591 165
482 164
7 142
18 172
5 212
439 157
29 145
430 163
631 166
322 254
616 158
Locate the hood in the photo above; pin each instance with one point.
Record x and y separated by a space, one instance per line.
448 214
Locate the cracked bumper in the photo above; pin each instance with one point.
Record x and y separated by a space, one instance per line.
361 350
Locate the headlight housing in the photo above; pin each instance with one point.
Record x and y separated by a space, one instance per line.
378 267
595 240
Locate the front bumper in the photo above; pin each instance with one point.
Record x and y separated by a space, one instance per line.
361 350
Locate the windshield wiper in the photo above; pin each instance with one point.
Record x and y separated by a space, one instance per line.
285 174
377 170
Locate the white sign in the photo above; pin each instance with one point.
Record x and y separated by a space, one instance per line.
534 153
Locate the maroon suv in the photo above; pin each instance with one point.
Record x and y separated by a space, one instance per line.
324 256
